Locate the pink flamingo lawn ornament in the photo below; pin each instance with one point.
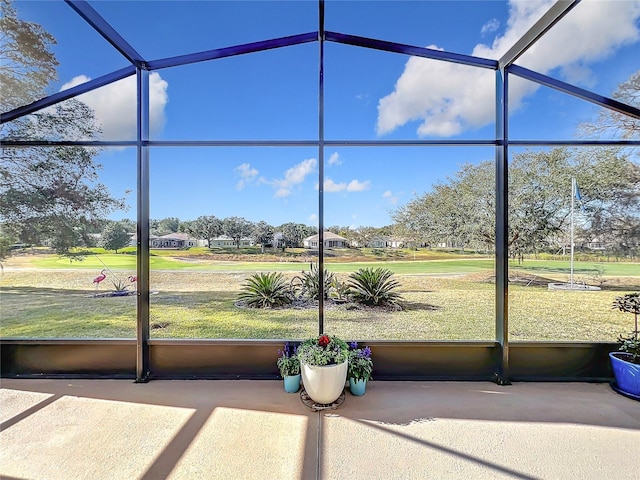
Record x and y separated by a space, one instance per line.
133 279
99 278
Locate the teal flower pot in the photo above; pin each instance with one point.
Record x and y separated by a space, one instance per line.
292 383
357 387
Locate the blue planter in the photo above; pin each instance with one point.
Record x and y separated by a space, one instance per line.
357 387
292 383
627 374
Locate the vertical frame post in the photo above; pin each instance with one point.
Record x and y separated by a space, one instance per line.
321 165
142 334
502 227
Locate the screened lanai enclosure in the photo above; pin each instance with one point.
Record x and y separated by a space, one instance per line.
160 158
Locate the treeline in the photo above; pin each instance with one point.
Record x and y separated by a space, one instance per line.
461 210
116 234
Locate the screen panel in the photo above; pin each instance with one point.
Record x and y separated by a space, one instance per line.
222 219
69 227
420 218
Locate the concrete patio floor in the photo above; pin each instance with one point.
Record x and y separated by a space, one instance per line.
197 429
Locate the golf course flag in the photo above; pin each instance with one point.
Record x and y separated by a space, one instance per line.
577 191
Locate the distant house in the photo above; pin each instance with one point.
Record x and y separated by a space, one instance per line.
225 241
331 240
173 240
377 242
133 242
596 244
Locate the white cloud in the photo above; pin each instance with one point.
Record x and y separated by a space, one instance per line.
390 197
448 98
357 186
334 159
331 186
353 186
292 177
282 192
491 26
246 173
115 105
313 218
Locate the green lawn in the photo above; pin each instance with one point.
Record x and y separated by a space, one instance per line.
445 297
199 304
453 266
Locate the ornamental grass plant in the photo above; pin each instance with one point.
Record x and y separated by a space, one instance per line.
323 350
374 287
266 290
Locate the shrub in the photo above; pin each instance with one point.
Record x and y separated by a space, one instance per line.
307 284
266 290
374 287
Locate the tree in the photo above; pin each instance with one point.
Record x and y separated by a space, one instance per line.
460 211
48 194
458 214
166 226
27 64
7 239
237 228
206 227
128 224
114 237
611 210
262 234
294 233
345 232
612 122
53 194
364 235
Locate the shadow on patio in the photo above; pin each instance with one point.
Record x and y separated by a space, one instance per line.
115 429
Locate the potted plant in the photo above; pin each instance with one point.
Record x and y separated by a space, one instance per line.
323 365
626 362
289 367
360 368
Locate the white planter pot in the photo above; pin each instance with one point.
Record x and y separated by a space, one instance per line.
324 384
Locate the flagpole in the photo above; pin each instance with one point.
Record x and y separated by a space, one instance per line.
573 198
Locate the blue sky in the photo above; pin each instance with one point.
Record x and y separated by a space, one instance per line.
369 95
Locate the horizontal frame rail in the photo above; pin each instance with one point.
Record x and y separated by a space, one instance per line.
256 359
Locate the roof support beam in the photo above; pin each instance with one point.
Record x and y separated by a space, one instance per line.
103 27
605 102
232 51
411 50
67 94
548 20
